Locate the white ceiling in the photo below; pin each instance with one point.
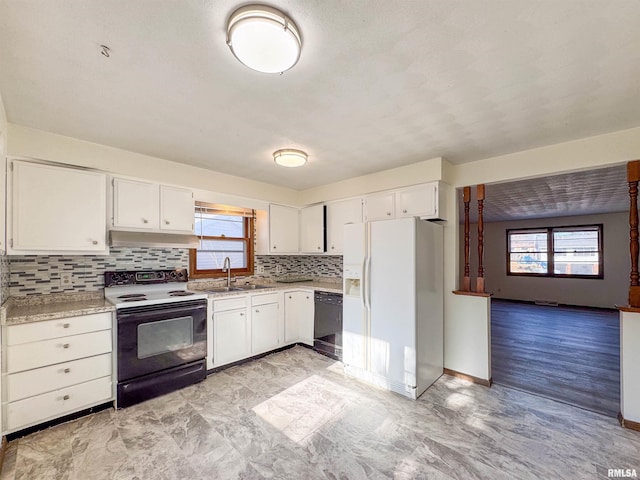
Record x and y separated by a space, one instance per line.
379 84
603 190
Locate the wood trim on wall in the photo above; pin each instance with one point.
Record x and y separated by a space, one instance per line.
3 451
628 423
469 378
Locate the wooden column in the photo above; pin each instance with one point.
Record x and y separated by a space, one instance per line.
466 198
480 279
633 176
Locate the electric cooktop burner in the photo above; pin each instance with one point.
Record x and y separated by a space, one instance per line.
180 293
133 295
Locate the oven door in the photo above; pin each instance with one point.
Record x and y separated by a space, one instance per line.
158 337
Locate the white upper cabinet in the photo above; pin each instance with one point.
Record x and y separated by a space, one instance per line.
176 209
3 171
418 201
283 229
56 209
379 206
312 229
135 204
141 205
339 214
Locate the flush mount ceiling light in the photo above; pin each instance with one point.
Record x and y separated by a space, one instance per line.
263 39
290 157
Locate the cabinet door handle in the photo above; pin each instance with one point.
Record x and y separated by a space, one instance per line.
307 298
318 248
388 214
95 242
67 370
144 220
257 311
332 247
274 247
289 297
65 345
66 397
167 222
241 314
66 325
404 211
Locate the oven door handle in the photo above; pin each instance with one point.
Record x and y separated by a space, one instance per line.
140 313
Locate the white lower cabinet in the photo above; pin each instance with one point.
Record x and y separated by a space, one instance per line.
52 370
246 325
265 328
298 316
231 331
38 409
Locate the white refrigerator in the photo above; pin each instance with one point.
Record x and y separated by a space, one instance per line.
393 303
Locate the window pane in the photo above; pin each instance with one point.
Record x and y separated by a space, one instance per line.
528 242
576 264
207 260
220 245
575 241
528 262
219 225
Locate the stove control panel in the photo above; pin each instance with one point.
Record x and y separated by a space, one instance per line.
145 277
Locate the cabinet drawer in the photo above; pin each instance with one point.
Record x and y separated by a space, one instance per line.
233 303
35 382
264 299
58 350
63 327
33 410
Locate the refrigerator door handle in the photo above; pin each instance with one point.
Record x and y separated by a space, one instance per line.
368 283
362 283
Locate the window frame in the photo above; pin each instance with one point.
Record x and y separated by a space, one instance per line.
599 227
249 240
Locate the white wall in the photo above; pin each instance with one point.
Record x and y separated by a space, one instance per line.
629 365
607 292
29 142
584 154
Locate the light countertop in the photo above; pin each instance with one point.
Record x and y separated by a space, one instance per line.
272 287
38 308
18 310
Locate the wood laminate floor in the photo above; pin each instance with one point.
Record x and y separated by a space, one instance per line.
295 415
564 353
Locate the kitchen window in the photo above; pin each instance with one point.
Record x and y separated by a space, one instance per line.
568 252
223 231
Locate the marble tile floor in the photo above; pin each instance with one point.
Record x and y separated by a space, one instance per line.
294 415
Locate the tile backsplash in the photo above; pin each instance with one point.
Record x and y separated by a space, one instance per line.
4 277
318 266
40 274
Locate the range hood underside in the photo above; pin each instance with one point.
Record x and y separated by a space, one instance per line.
119 238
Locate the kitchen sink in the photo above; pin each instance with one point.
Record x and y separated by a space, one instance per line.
238 288
251 287
222 289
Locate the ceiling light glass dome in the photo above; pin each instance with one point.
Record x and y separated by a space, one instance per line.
264 39
289 157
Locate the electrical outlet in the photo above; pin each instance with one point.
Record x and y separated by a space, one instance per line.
65 279
260 269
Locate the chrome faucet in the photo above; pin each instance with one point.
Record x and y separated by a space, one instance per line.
226 266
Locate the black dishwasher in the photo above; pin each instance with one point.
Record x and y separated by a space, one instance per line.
327 324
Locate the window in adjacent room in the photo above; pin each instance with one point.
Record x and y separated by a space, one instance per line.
574 252
223 232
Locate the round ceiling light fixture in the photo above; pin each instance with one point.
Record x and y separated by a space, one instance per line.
289 157
264 39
